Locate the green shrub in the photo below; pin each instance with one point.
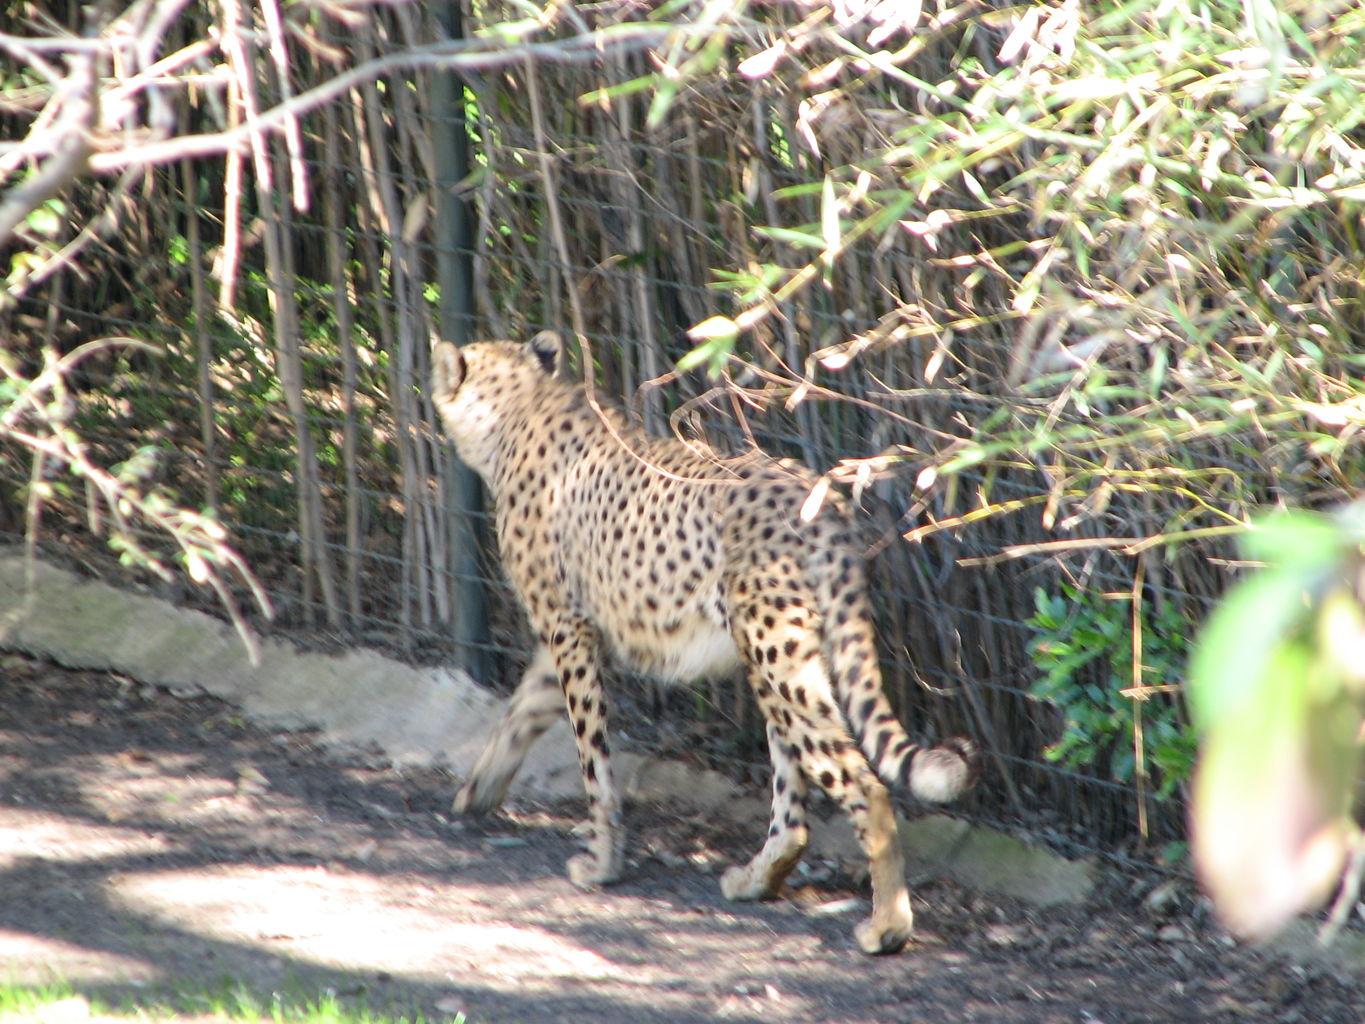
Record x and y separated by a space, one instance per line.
1083 645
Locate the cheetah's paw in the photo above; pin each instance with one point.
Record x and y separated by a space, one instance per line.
742 884
586 872
878 937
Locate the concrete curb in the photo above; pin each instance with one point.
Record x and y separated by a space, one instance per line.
415 715
436 716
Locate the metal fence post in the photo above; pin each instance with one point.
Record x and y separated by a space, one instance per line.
455 276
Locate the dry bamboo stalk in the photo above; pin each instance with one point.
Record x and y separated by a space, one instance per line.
279 59
379 220
412 115
414 25
342 298
628 191
483 231
791 356
203 344
384 201
289 365
232 209
316 565
371 263
552 209
1139 747
414 330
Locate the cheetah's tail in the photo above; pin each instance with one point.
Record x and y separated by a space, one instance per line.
937 774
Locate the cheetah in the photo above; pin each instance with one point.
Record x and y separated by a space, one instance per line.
684 565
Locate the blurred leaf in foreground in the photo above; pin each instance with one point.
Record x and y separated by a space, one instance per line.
1277 689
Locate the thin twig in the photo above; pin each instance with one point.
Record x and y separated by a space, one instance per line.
1124 545
199 538
279 58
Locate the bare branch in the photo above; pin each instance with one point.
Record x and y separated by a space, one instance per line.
37 420
70 154
459 55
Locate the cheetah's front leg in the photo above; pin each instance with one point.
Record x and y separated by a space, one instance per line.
576 651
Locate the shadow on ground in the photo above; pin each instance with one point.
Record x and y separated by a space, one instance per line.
160 849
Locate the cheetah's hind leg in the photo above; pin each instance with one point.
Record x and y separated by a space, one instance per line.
537 704
762 877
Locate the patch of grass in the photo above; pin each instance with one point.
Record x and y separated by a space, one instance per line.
24 1002
61 1003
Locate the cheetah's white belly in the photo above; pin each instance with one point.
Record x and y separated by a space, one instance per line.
697 649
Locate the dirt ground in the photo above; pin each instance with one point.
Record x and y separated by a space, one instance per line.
151 843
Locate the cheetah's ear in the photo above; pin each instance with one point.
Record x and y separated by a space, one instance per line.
548 347
447 371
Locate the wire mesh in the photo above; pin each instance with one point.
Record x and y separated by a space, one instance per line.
298 411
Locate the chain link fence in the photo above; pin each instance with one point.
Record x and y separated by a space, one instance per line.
293 292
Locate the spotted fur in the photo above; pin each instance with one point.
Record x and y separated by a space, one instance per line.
684 565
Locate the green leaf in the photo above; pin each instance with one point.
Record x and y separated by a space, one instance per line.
1306 540
799 239
1236 643
47 220
1262 613
971 455
717 335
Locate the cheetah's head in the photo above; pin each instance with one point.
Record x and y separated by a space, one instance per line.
477 387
